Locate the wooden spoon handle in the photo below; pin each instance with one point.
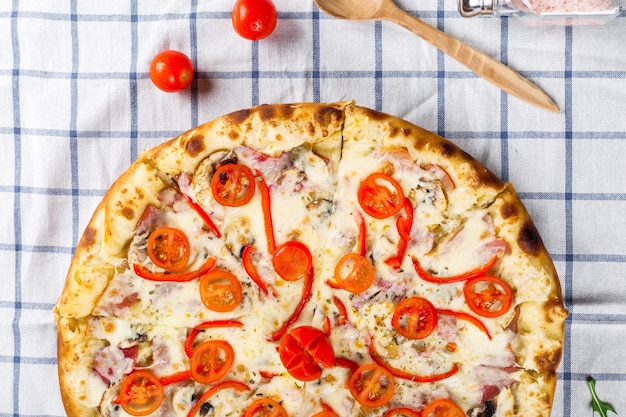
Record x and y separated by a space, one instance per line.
483 65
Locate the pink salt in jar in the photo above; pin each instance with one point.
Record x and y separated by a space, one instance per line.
545 12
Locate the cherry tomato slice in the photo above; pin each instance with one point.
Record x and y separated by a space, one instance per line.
265 407
303 350
371 385
488 296
233 185
402 411
380 195
442 407
414 318
254 19
141 393
168 248
354 273
292 260
220 291
171 71
211 360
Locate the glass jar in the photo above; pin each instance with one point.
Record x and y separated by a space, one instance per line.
545 12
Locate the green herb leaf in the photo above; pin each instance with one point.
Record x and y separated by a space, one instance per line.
597 405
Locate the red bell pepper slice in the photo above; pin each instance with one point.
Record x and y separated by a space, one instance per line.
399 373
304 298
469 318
174 378
236 385
404 226
203 214
207 325
175 277
252 272
453 278
362 246
343 312
266 206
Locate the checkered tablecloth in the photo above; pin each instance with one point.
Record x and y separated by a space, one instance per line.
77 106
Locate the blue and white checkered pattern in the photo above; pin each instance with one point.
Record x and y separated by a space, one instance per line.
77 106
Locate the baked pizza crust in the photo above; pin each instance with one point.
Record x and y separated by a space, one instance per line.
75 355
269 129
105 239
538 318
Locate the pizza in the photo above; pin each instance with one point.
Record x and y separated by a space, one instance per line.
309 260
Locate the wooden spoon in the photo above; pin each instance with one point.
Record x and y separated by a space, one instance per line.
483 65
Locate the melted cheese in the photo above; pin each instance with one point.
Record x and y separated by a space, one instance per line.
313 204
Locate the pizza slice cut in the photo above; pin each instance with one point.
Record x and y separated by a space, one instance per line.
431 264
206 250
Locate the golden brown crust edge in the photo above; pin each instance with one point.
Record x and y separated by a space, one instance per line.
478 186
75 353
540 318
105 238
268 128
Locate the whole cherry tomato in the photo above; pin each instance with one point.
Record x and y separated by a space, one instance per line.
168 248
303 350
414 318
211 360
254 19
171 71
141 393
